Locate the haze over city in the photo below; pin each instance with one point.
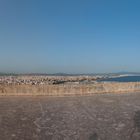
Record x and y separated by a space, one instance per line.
88 36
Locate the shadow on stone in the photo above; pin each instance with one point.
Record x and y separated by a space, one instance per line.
93 137
137 120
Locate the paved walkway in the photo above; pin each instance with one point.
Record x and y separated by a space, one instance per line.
98 117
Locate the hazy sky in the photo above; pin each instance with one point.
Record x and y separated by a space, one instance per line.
71 36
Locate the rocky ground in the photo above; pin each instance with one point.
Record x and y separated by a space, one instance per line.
97 117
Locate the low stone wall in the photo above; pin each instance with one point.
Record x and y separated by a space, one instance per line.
62 90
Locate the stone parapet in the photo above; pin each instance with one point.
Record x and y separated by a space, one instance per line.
75 89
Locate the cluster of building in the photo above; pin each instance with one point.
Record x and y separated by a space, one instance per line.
41 80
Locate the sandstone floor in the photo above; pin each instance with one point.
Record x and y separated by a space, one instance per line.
97 117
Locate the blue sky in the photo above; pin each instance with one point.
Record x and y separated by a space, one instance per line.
71 36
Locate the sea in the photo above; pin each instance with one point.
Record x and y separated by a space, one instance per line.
122 79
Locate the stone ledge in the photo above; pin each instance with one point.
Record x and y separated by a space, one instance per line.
64 90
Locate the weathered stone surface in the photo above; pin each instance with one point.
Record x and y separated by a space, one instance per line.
72 89
97 117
